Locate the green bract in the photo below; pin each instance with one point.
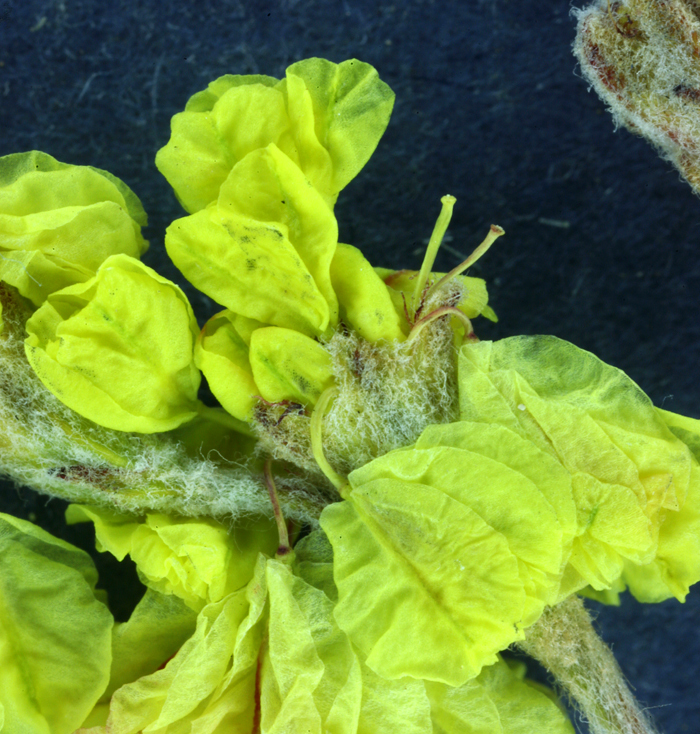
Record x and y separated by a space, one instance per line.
119 349
55 636
59 223
635 485
327 118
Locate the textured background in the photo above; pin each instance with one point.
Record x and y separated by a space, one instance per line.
601 245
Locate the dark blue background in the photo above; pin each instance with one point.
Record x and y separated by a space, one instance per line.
490 108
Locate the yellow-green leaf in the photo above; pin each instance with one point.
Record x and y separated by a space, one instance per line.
522 708
220 125
155 631
198 559
265 250
629 472
676 566
222 355
426 588
365 302
351 108
287 365
55 636
328 118
494 481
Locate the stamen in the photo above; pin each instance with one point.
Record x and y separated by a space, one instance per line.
426 268
494 233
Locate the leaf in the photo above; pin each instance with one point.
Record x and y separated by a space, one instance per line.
500 492
327 118
156 630
288 365
310 677
365 302
55 636
234 116
209 685
676 566
351 108
627 468
223 357
264 251
522 708
313 678
492 703
174 693
426 588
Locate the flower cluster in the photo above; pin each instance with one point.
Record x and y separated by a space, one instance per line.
461 487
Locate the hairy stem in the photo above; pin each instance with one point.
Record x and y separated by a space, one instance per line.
564 641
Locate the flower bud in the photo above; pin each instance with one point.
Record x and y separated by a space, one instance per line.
58 223
118 349
275 365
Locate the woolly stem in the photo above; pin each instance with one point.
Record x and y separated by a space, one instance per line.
45 445
564 641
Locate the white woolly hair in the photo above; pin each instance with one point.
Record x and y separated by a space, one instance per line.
387 394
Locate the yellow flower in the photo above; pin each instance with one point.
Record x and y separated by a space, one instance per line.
327 118
119 349
59 223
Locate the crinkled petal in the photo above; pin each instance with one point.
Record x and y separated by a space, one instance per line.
351 109
103 349
365 301
59 222
199 560
223 357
